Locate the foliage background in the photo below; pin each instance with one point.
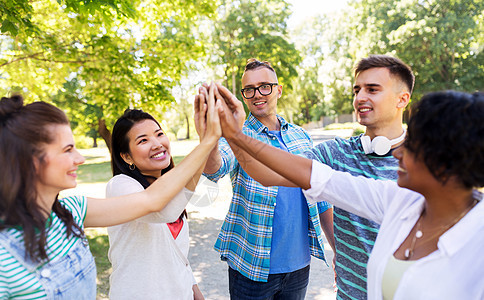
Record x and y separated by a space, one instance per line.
96 58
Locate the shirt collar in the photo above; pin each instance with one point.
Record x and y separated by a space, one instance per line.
465 230
256 125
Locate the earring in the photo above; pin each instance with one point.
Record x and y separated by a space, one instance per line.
132 167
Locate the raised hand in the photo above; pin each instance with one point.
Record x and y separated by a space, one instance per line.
233 104
231 112
200 111
213 131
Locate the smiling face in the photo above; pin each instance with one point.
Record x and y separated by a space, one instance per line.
379 99
262 107
413 173
57 170
149 148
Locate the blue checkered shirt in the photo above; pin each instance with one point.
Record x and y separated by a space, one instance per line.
246 234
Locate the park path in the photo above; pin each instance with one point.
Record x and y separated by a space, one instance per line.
206 214
205 223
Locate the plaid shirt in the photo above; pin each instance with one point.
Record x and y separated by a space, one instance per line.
246 234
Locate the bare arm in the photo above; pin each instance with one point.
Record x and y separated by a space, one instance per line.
326 219
117 210
294 168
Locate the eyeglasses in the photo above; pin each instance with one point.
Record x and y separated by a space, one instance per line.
264 89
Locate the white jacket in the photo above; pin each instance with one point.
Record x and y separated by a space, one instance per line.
454 271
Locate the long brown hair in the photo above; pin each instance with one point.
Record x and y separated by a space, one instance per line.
23 132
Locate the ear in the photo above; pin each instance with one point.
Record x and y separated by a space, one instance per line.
36 165
127 158
279 91
403 99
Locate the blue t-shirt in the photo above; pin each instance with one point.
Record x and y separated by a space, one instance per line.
289 248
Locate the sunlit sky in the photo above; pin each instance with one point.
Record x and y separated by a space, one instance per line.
302 9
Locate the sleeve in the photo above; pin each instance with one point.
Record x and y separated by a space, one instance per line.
323 206
362 196
121 185
77 205
229 162
320 153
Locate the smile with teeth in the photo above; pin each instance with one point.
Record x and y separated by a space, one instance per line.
402 170
364 110
159 155
259 103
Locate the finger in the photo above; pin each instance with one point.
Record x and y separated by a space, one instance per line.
227 96
196 104
211 101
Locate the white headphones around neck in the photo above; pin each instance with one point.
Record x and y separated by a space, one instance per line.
380 145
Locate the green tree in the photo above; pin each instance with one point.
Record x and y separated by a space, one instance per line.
254 28
118 61
442 40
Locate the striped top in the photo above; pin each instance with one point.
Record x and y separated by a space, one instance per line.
246 234
354 235
16 281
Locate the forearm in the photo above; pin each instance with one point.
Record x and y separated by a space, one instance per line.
257 170
326 219
214 161
292 167
117 210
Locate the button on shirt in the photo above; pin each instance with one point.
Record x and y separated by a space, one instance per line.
246 234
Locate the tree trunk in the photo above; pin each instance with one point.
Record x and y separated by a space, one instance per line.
234 84
188 127
104 133
94 142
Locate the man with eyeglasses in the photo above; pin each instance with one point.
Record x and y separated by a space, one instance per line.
269 233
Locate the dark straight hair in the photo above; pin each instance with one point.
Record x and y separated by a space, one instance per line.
120 145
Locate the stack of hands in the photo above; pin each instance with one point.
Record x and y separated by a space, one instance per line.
218 112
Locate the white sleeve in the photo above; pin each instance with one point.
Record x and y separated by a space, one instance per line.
362 196
121 185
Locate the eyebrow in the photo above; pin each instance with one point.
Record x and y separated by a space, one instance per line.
367 85
68 146
258 84
143 135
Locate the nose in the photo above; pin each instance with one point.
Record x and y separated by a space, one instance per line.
397 152
79 159
156 144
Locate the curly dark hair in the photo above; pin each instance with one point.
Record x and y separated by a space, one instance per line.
24 130
446 130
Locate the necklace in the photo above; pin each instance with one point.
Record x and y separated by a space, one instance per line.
440 230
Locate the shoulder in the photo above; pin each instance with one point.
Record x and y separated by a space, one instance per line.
77 205
122 185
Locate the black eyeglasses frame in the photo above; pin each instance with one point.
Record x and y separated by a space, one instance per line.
257 89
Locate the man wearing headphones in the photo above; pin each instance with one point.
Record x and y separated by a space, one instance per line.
382 89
